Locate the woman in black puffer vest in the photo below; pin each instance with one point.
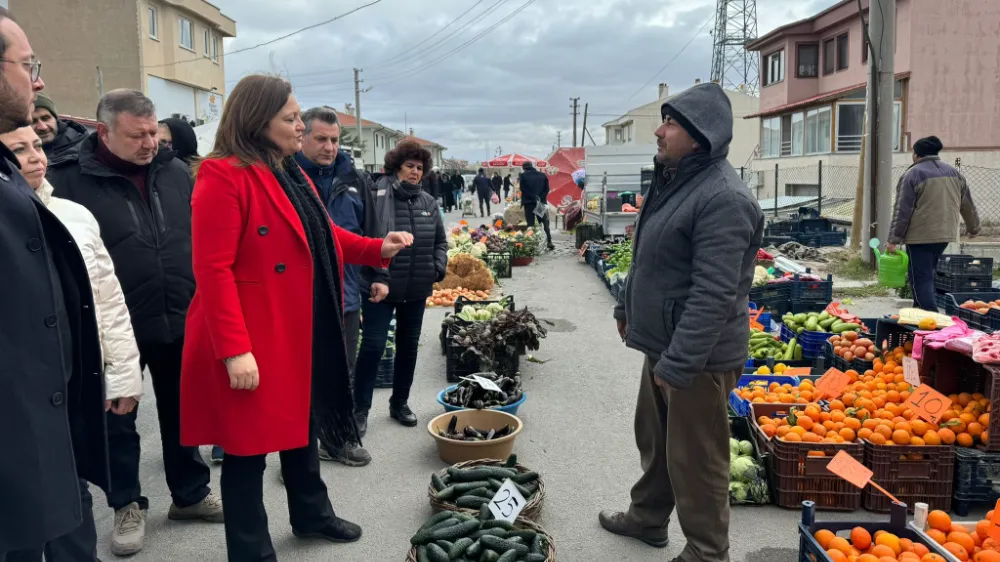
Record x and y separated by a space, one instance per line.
400 204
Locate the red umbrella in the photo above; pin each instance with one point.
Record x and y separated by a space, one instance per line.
562 163
513 161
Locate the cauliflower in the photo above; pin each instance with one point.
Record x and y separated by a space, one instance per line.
478 249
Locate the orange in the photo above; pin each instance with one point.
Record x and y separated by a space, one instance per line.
947 436
837 556
877 438
799 430
841 544
793 437
885 431
975 429
819 429
882 550
931 557
907 545
805 422
939 520
985 556
963 539
964 440
813 412
861 538
983 528
811 437
920 549
865 433
900 437
867 558
902 426
916 441
932 438
768 429
958 528
938 535
823 537
783 431
848 434
957 550
890 540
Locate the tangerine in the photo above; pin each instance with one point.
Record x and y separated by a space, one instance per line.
957 550
901 437
861 538
939 520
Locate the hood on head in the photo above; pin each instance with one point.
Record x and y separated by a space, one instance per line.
705 109
185 141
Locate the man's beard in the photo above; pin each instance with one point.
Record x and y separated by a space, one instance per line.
668 162
15 112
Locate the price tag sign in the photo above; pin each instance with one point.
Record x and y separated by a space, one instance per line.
507 503
833 383
911 371
798 371
483 382
848 468
994 531
928 403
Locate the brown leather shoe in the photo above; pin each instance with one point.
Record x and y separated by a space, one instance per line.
619 523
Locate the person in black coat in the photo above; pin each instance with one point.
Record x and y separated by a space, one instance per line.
535 192
506 187
403 288
179 136
448 193
484 190
51 369
497 184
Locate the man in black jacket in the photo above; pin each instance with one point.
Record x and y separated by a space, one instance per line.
535 192
61 138
51 384
142 200
484 190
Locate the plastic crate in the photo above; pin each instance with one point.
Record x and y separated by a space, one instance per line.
458 366
587 231
764 318
977 479
831 360
739 428
500 264
812 291
462 301
775 297
776 240
817 225
782 227
911 473
386 372
809 306
741 405
951 302
892 333
811 551
968 284
822 239
811 342
961 265
799 477
982 322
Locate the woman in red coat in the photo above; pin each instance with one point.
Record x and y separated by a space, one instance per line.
265 364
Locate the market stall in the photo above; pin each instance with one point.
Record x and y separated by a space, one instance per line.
612 191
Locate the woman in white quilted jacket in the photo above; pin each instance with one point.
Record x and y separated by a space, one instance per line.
122 373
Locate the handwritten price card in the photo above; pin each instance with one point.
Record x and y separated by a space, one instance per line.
833 383
928 403
848 468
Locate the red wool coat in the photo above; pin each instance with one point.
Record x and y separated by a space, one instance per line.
254 279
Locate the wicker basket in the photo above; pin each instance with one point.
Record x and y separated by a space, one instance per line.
530 511
522 524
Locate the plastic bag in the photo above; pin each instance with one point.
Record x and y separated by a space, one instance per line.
986 350
936 339
541 210
496 199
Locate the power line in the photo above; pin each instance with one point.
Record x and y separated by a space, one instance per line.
672 59
275 40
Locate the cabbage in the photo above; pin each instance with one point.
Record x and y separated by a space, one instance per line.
452 243
495 307
746 448
738 468
734 447
738 490
478 249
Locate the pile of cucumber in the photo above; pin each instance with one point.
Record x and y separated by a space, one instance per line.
765 346
456 536
473 487
817 322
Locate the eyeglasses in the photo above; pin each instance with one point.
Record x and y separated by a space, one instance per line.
34 68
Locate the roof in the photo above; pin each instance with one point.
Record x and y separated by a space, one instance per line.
423 142
827 96
756 44
348 120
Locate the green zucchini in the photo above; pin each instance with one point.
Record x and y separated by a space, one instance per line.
511 461
509 556
845 327
481 492
540 545
524 477
474 550
455 532
489 556
436 554
495 531
536 557
459 547
481 473
471 502
525 534
502 545
437 482
423 536
497 524
422 554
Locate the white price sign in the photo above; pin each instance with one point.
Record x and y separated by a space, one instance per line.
911 371
483 382
507 503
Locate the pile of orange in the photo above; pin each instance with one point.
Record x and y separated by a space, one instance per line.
963 543
882 547
775 393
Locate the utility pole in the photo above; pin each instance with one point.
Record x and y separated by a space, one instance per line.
583 136
357 102
880 130
559 139
576 111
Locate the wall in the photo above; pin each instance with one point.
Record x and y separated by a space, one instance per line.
164 57
72 38
955 47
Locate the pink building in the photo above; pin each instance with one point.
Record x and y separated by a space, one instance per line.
814 73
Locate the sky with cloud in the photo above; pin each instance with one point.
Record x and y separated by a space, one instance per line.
478 75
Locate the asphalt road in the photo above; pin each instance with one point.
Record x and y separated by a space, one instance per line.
578 435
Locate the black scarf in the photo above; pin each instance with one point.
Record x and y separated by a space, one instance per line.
332 412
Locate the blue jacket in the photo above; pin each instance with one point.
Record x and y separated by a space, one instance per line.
347 195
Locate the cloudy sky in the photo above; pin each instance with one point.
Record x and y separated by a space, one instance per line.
508 88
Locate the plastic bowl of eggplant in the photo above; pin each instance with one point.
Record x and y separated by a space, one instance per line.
469 394
468 435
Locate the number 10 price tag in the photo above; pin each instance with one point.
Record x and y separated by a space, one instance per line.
928 403
507 503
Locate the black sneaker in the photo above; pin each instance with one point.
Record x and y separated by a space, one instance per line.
217 454
338 530
403 414
361 418
350 456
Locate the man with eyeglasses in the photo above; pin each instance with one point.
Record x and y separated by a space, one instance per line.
51 384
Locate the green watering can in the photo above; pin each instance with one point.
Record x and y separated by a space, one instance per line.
892 267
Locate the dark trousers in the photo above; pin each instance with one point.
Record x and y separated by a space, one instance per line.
530 218
242 483
187 474
923 262
485 200
685 465
78 546
409 321
352 333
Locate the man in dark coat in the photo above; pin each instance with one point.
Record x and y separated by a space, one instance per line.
497 184
51 382
506 186
535 192
61 138
141 198
484 190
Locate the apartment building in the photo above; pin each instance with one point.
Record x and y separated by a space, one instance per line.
637 125
169 49
814 74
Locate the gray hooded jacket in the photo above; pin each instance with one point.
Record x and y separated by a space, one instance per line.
694 253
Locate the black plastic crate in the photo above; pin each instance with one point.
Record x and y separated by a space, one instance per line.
462 301
776 240
781 228
974 319
815 225
961 265
822 239
587 231
809 306
977 478
892 333
775 297
950 302
500 264
965 284
813 291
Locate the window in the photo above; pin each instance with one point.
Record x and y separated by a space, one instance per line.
207 40
817 130
215 47
843 51
797 133
850 126
897 124
154 26
807 60
618 134
770 137
774 69
829 55
187 34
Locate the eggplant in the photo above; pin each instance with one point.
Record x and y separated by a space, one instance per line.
453 424
472 432
490 434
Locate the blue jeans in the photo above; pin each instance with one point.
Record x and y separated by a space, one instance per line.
374 334
923 263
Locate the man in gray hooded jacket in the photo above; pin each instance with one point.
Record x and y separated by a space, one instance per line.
685 307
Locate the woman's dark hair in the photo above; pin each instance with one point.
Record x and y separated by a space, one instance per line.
251 105
407 150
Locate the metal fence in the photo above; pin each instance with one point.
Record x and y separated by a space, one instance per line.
833 189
